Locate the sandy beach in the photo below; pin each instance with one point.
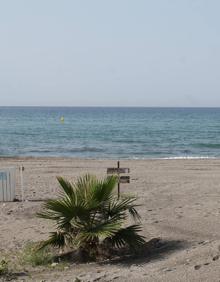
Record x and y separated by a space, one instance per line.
180 204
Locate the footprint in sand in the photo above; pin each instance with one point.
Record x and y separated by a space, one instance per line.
197 267
215 258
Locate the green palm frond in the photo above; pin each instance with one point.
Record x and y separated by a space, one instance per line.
83 188
84 184
56 239
103 191
134 213
66 186
98 232
120 207
128 236
62 211
93 191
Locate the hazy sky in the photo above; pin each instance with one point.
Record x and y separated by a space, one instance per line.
110 53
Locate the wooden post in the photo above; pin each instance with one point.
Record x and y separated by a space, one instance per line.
118 180
22 183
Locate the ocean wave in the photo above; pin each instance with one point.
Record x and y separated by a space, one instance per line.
85 149
66 150
187 158
207 145
170 158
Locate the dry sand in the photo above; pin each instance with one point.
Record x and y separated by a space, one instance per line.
180 204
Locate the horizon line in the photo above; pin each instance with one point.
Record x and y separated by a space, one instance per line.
48 106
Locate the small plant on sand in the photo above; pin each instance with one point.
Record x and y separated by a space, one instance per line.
31 255
90 218
3 267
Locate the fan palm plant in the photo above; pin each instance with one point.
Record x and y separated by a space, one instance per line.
88 216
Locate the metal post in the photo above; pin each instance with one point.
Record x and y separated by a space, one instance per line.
118 181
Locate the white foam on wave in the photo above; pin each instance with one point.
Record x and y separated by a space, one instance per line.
175 158
188 158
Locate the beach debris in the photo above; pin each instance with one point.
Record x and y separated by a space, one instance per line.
115 277
197 267
9 212
204 242
215 258
187 261
168 269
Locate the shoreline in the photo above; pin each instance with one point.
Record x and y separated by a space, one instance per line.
111 159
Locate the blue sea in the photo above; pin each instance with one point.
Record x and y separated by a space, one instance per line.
112 133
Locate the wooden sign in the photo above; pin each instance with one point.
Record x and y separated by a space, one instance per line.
124 179
115 170
118 170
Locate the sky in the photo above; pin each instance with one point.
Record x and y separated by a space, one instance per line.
110 53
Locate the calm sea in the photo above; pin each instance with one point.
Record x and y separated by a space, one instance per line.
110 132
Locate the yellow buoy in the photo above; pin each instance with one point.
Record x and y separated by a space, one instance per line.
62 119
